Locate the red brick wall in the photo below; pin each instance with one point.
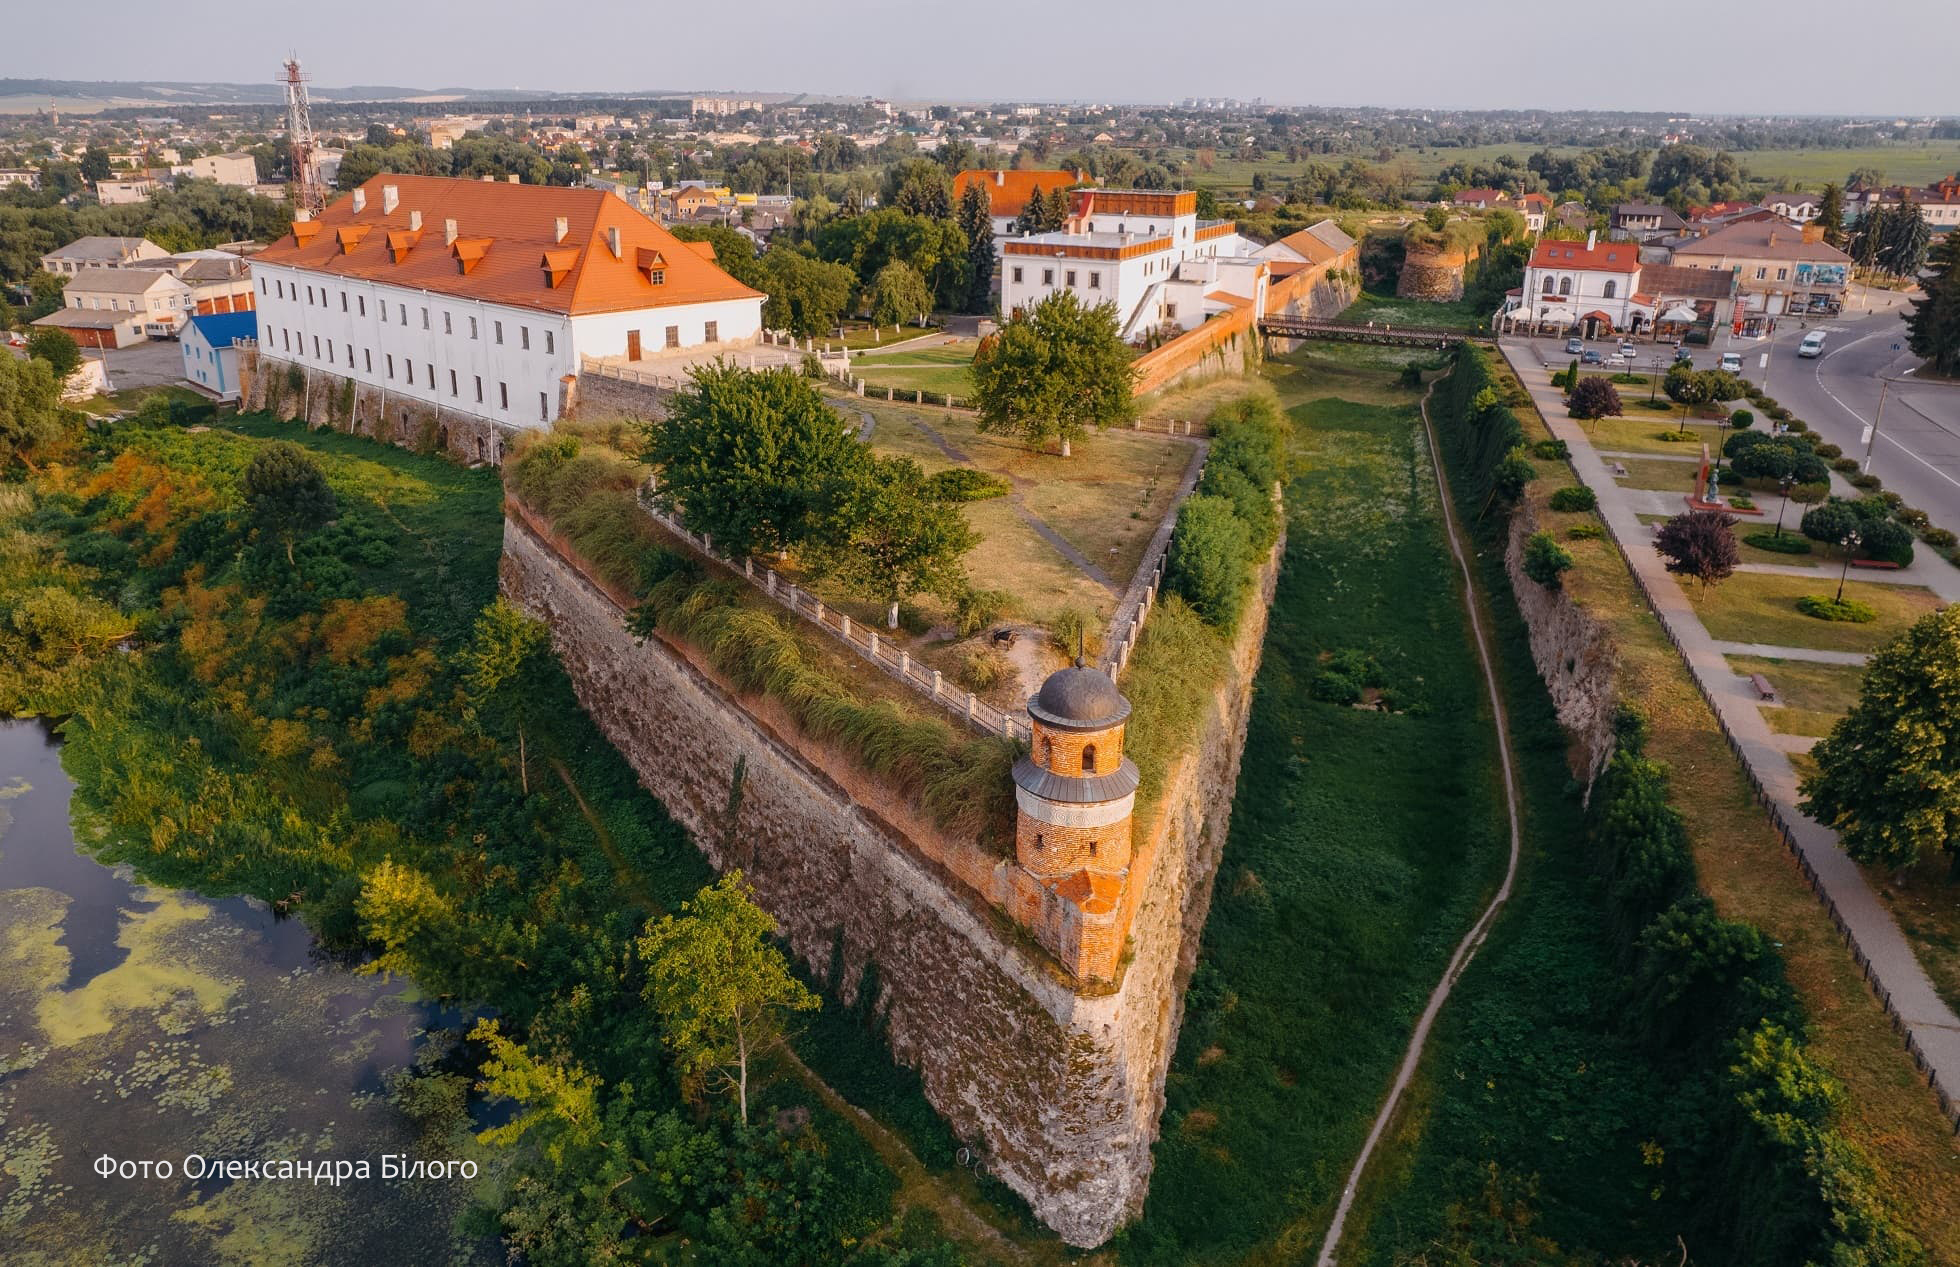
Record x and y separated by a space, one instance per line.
1061 750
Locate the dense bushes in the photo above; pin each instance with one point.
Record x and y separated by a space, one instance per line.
1573 497
1768 459
965 484
1226 527
1545 559
1787 543
1848 610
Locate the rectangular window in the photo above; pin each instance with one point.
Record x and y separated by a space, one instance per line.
281 283
432 376
425 318
367 355
1761 273
497 328
657 276
350 356
1782 274
711 331
472 327
1095 281
403 308
1017 274
286 339
309 294
544 410
1071 277
330 349
383 307
503 396
550 343
1047 277
343 301
673 336
479 389
362 301
262 287
452 382
391 365
316 347
448 327
524 337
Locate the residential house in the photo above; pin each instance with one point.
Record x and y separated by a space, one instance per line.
1008 193
210 352
1572 215
1798 208
238 169
99 252
26 177
117 193
1536 209
1780 269
485 299
1145 252
1640 219
1939 203
1591 288
219 281
689 202
116 307
1480 199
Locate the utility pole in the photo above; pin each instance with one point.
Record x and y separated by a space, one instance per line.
1871 429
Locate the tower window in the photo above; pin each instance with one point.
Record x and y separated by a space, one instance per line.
1048 752
1089 759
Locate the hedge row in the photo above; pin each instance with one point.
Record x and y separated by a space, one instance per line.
1229 523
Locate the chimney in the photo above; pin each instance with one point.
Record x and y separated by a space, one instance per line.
415 221
560 228
1592 238
391 197
449 233
1000 177
360 201
488 179
612 241
512 178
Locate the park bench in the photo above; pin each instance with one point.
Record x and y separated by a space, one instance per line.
1763 689
1619 470
1883 565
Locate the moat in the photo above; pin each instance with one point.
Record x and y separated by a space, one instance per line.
148 1024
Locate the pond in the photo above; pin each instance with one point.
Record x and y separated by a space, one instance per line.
145 1024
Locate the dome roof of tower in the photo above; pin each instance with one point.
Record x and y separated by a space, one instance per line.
1079 698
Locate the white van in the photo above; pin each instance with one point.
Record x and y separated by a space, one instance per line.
1812 345
1732 362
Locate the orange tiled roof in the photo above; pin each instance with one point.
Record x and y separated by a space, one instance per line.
1008 191
1305 244
1606 257
507 250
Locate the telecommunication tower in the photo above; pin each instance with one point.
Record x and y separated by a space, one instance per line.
309 197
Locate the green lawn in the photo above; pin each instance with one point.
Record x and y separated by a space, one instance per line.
942 369
1361 843
1652 434
1758 607
132 399
1666 477
1387 309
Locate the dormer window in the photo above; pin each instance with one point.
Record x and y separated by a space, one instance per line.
652 264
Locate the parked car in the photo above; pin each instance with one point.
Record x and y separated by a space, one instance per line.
1574 345
1732 362
1627 350
1589 357
1621 360
1682 354
1812 345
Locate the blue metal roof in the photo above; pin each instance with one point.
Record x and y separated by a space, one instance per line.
220 328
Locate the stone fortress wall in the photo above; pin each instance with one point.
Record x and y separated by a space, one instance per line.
1059 1084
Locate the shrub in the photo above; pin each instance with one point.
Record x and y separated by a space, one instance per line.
981 670
1075 628
1250 502
1890 500
1249 434
975 609
1829 452
1344 674
1797 425
1551 450
1585 532
1742 419
1209 562
1594 397
1866 482
1574 497
1412 375
1545 559
1787 544
1630 379
1844 609
1830 522
1810 494
1887 540
1844 466
1939 538
964 484
1742 503
1777 412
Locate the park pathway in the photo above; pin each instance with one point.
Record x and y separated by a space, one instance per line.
1931 1030
1481 929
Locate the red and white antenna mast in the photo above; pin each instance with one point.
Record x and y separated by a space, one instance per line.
309 196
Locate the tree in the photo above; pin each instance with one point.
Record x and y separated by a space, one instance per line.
976 220
746 456
1207 560
95 163
898 294
1907 236
287 494
920 187
1053 372
58 348
564 1099
887 536
1933 325
1054 211
807 296
719 987
1032 215
1701 544
1594 397
501 669
30 407
1830 214
1888 775
1830 522
1687 387
1545 559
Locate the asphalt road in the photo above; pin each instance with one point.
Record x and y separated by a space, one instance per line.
1917 448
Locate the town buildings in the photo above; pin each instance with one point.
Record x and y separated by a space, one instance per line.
99 252
1780 268
1481 199
1641 220
1939 203
480 301
1142 250
237 169
1600 288
1008 193
1536 209
25 177
117 193
210 350
1316 244
115 307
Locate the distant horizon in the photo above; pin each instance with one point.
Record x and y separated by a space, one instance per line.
1794 63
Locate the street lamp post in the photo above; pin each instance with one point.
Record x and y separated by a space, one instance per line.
1850 542
1654 383
1871 432
1787 483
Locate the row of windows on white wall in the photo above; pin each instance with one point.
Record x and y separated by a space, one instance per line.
287 338
1565 288
1048 278
319 298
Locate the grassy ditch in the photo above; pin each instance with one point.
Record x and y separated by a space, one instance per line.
1362 839
1695 990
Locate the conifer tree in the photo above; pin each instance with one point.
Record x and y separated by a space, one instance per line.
1933 325
1029 221
976 220
1830 214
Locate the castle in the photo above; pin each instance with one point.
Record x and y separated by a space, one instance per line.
1074 794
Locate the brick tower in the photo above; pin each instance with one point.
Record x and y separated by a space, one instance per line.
1074 794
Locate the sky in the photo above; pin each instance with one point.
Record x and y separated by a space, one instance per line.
1793 57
